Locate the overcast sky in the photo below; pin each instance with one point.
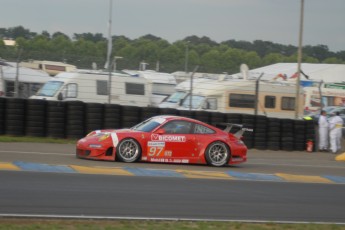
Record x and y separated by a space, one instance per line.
220 20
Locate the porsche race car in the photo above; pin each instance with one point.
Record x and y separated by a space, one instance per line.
166 139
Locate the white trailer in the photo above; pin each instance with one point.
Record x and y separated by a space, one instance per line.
29 80
163 84
239 96
92 86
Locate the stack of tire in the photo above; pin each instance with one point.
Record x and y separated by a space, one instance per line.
147 112
35 124
75 119
299 135
168 111
216 118
2 115
112 116
187 113
131 115
203 116
15 116
273 133
94 113
56 119
260 132
287 136
248 121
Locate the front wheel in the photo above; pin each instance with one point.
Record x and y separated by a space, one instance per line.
128 150
217 154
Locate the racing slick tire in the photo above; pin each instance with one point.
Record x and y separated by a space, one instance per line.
217 154
128 150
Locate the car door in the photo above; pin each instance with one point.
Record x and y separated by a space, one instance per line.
173 143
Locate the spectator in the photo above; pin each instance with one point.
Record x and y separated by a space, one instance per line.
323 132
335 133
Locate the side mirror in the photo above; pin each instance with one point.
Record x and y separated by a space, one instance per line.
161 131
180 102
60 97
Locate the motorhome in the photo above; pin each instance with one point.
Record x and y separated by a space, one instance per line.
92 86
181 91
316 98
163 84
29 80
51 67
274 99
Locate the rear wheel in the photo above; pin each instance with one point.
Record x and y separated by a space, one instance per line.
128 150
217 154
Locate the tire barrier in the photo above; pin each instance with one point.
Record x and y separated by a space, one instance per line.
187 113
287 135
2 115
168 111
273 133
94 113
15 116
202 116
260 134
248 121
216 118
74 119
130 116
35 124
147 112
112 116
56 119
299 133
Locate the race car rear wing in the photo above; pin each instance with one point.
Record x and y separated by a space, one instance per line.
239 133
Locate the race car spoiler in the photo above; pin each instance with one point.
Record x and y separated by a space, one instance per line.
239 133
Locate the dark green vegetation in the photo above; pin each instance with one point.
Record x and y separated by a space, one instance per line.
212 57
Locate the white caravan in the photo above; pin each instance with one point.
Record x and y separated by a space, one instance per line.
181 91
29 80
239 96
163 84
330 97
92 86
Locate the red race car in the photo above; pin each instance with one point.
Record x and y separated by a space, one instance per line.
166 139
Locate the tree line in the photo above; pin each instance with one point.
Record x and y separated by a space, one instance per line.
84 49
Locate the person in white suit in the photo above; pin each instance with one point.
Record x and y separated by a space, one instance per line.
335 132
323 132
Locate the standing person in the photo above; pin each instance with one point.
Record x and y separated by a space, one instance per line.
323 132
335 132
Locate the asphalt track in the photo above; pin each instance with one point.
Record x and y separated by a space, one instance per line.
262 165
47 180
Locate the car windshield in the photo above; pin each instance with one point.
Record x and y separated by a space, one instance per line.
176 97
148 125
50 88
196 101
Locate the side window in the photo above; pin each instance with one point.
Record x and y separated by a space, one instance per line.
288 103
70 91
211 103
270 101
134 88
241 100
177 127
102 87
200 129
